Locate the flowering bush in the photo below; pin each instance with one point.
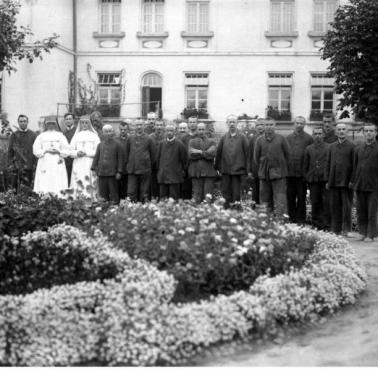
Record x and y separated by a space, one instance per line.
207 249
27 211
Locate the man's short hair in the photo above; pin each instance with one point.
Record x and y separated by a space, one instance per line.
22 116
232 117
269 119
193 117
69 114
301 118
151 115
329 115
317 128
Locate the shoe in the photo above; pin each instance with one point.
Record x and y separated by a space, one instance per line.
369 240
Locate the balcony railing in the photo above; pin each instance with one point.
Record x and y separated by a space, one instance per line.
317 115
278 115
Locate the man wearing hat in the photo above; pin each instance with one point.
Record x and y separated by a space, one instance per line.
232 161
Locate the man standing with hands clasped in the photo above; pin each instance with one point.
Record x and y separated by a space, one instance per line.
339 174
107 164
365 183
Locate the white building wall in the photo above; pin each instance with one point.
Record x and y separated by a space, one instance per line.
238 58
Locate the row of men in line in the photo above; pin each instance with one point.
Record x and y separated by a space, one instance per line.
280 168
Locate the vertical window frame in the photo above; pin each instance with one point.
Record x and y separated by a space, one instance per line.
282 27
325 18
154 26
198 25
107 19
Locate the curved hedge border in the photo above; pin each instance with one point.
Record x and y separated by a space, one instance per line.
131 319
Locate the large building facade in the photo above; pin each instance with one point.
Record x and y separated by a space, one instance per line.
176 57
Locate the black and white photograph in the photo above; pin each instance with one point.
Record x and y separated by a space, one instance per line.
188 183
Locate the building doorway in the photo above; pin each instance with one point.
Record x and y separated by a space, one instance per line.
152 94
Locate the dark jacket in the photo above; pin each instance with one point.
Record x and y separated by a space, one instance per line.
108 158
297 144
69 134
20 150
365 169
232 155
122 142
340 164
271 155
252 164
186 138
140 154
171 162
202 164
315 162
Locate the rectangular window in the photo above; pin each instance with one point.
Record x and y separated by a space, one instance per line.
196 90
153 16
282 16
322 96
324 11
279 96
110 13
109 94
197 17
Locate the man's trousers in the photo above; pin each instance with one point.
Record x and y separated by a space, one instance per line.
231 188
318 204
108 188
202 186
138 187
341 209
186 187
367 208
169 191
296 199
122 185
154 184
273 196
23 177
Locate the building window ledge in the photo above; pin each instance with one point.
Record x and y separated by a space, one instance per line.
111 35
316 35
202 35
286 35
155 35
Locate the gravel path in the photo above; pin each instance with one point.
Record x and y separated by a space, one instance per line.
349 338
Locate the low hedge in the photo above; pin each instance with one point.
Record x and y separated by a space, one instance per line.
209 250
131 319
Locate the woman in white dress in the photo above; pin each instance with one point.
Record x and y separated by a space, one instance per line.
83 148
50 147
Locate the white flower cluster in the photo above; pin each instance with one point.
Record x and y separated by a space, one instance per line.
131 320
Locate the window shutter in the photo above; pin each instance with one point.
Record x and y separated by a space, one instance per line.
276 17
159 17
116 21
192 17
203 17
147 22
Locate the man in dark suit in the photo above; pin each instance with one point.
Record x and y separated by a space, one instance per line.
296 184
21 160
69 132
339 174
365 183
122 140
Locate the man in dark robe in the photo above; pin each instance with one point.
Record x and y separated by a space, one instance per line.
69 132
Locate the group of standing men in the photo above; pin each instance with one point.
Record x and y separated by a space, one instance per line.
161 160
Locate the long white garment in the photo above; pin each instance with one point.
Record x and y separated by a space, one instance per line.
51 173
82 180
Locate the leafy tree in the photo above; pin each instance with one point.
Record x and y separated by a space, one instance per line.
13 44
351 46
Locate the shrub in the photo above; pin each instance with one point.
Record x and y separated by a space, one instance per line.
24 212
207 249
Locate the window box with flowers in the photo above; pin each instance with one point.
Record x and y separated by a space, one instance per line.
278 115
199 113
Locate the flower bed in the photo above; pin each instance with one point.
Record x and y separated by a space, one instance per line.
132 320
207 249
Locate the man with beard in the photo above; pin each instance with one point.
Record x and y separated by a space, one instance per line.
122 140
232 162
157 136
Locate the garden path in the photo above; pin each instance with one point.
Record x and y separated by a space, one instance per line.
348 338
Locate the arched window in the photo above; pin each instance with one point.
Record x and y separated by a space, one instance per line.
151 93
151 80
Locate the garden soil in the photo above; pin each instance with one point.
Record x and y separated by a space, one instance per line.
348 338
